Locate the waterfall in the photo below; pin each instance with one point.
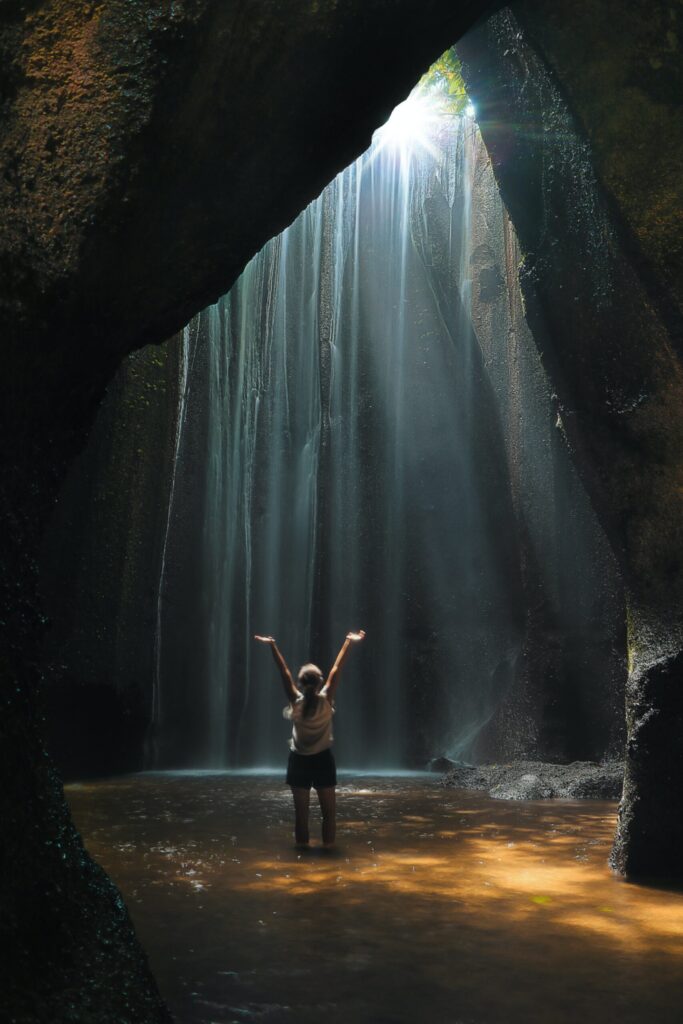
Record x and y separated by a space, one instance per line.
362 434
354 473
157 686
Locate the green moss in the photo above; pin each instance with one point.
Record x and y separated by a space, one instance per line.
444 81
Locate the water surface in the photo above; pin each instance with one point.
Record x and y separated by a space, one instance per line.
439 905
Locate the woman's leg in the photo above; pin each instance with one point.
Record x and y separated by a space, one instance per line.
301 802
327 795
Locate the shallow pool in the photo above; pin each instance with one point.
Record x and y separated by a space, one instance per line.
438 906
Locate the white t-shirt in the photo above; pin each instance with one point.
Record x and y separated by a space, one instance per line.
312 734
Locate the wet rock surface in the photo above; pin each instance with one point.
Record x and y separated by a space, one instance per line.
626 96
649 839
534 780
611 352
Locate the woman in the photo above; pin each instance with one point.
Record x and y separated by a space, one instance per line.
311 762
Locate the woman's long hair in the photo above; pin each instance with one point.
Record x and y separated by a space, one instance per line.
310 677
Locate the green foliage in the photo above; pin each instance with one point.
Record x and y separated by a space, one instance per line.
444 81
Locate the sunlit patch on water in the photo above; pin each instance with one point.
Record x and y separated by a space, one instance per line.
434 899
201 773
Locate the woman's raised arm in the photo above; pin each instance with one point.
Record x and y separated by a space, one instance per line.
332 680
287 681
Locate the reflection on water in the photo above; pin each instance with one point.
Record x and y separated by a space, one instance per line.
437 906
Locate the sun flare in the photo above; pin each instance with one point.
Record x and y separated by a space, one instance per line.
411 126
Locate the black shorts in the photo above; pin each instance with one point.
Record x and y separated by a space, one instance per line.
317 770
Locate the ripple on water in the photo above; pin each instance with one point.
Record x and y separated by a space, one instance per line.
435 903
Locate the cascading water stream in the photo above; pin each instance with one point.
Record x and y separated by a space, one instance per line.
361 434
355 473
183 379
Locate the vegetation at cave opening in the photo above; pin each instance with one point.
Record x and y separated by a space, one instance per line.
444 81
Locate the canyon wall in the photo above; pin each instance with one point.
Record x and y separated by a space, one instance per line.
604 315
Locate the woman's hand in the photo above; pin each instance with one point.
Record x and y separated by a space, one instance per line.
287 681
355 637
333 678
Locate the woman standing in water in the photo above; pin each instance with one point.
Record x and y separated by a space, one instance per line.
311 762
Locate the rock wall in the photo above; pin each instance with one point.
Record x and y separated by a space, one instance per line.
100 569
624 90
567 695
610 350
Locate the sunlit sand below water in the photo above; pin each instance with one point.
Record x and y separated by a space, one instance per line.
439 905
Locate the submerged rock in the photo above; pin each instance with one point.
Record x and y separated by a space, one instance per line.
535 780
526 787
445 764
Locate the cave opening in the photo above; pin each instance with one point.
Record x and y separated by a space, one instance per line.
360 432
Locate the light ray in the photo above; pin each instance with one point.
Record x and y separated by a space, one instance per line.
411 126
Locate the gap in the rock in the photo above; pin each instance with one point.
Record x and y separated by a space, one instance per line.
364 438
